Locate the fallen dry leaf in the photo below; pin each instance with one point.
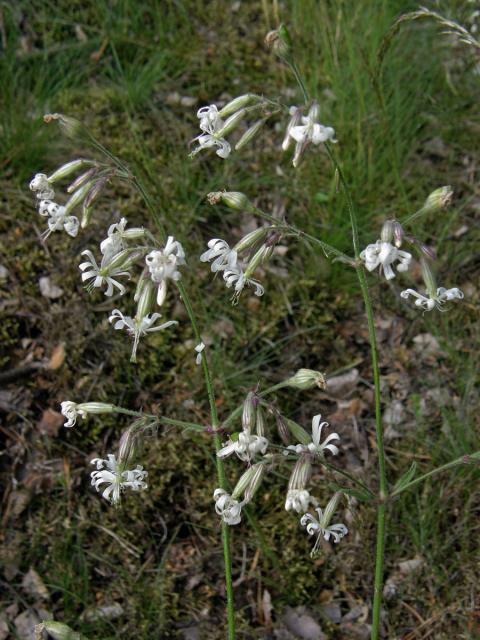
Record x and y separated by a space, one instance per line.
57 358
33 584
50 423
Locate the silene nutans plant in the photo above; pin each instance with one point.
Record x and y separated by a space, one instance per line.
141 268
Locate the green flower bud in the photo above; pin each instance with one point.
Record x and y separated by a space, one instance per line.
68 168
248 415
71 127
231 123
238 103
78 197
438 199
307 379
232 199
251 239
250 134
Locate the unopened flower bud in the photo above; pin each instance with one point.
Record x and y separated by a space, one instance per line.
57 631
249 482
283 430
307 379
232 199
125 259
429 252
428 278
301 473
71 127
78 197
438 199
238 103
250 134
231 123
398 233
279 41
146 300
299 434
128 446
260 421
82 179
68 168
386 234
251 239
248 414
260 257
95 191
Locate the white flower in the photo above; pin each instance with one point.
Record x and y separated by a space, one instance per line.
58 219
71 411
42 186
299 500
207 141
113 243
102 274
322 526
316 447
310 131
116 479
163 265
219 251
235 276
116 236
246 447
384 254
227 507
210 124
199 348
431 302
210 120
138 328
296 114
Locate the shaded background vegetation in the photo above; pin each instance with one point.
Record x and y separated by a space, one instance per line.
125 69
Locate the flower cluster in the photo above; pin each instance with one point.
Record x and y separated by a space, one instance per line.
110 473
386 252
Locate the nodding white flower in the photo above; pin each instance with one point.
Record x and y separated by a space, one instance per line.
58 219
210 120
322 526
223 257
299 500
295 116
316 447
163 265
384 254
235 276
103 274
114 243
116 479
207 141
42 186
310 131
429 302
245 447
72 410
138 327
117 234
211 123
227 507
199 348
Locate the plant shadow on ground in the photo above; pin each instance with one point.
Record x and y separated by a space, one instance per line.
124 71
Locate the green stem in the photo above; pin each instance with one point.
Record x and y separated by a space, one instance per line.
163 419
293 66
347 475
327 248
238 410
449 465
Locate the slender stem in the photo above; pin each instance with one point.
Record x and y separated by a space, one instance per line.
449 465
327 248
213 412
293 66
164 419
347 475
238 410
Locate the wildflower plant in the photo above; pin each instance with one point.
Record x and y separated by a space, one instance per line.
149 265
